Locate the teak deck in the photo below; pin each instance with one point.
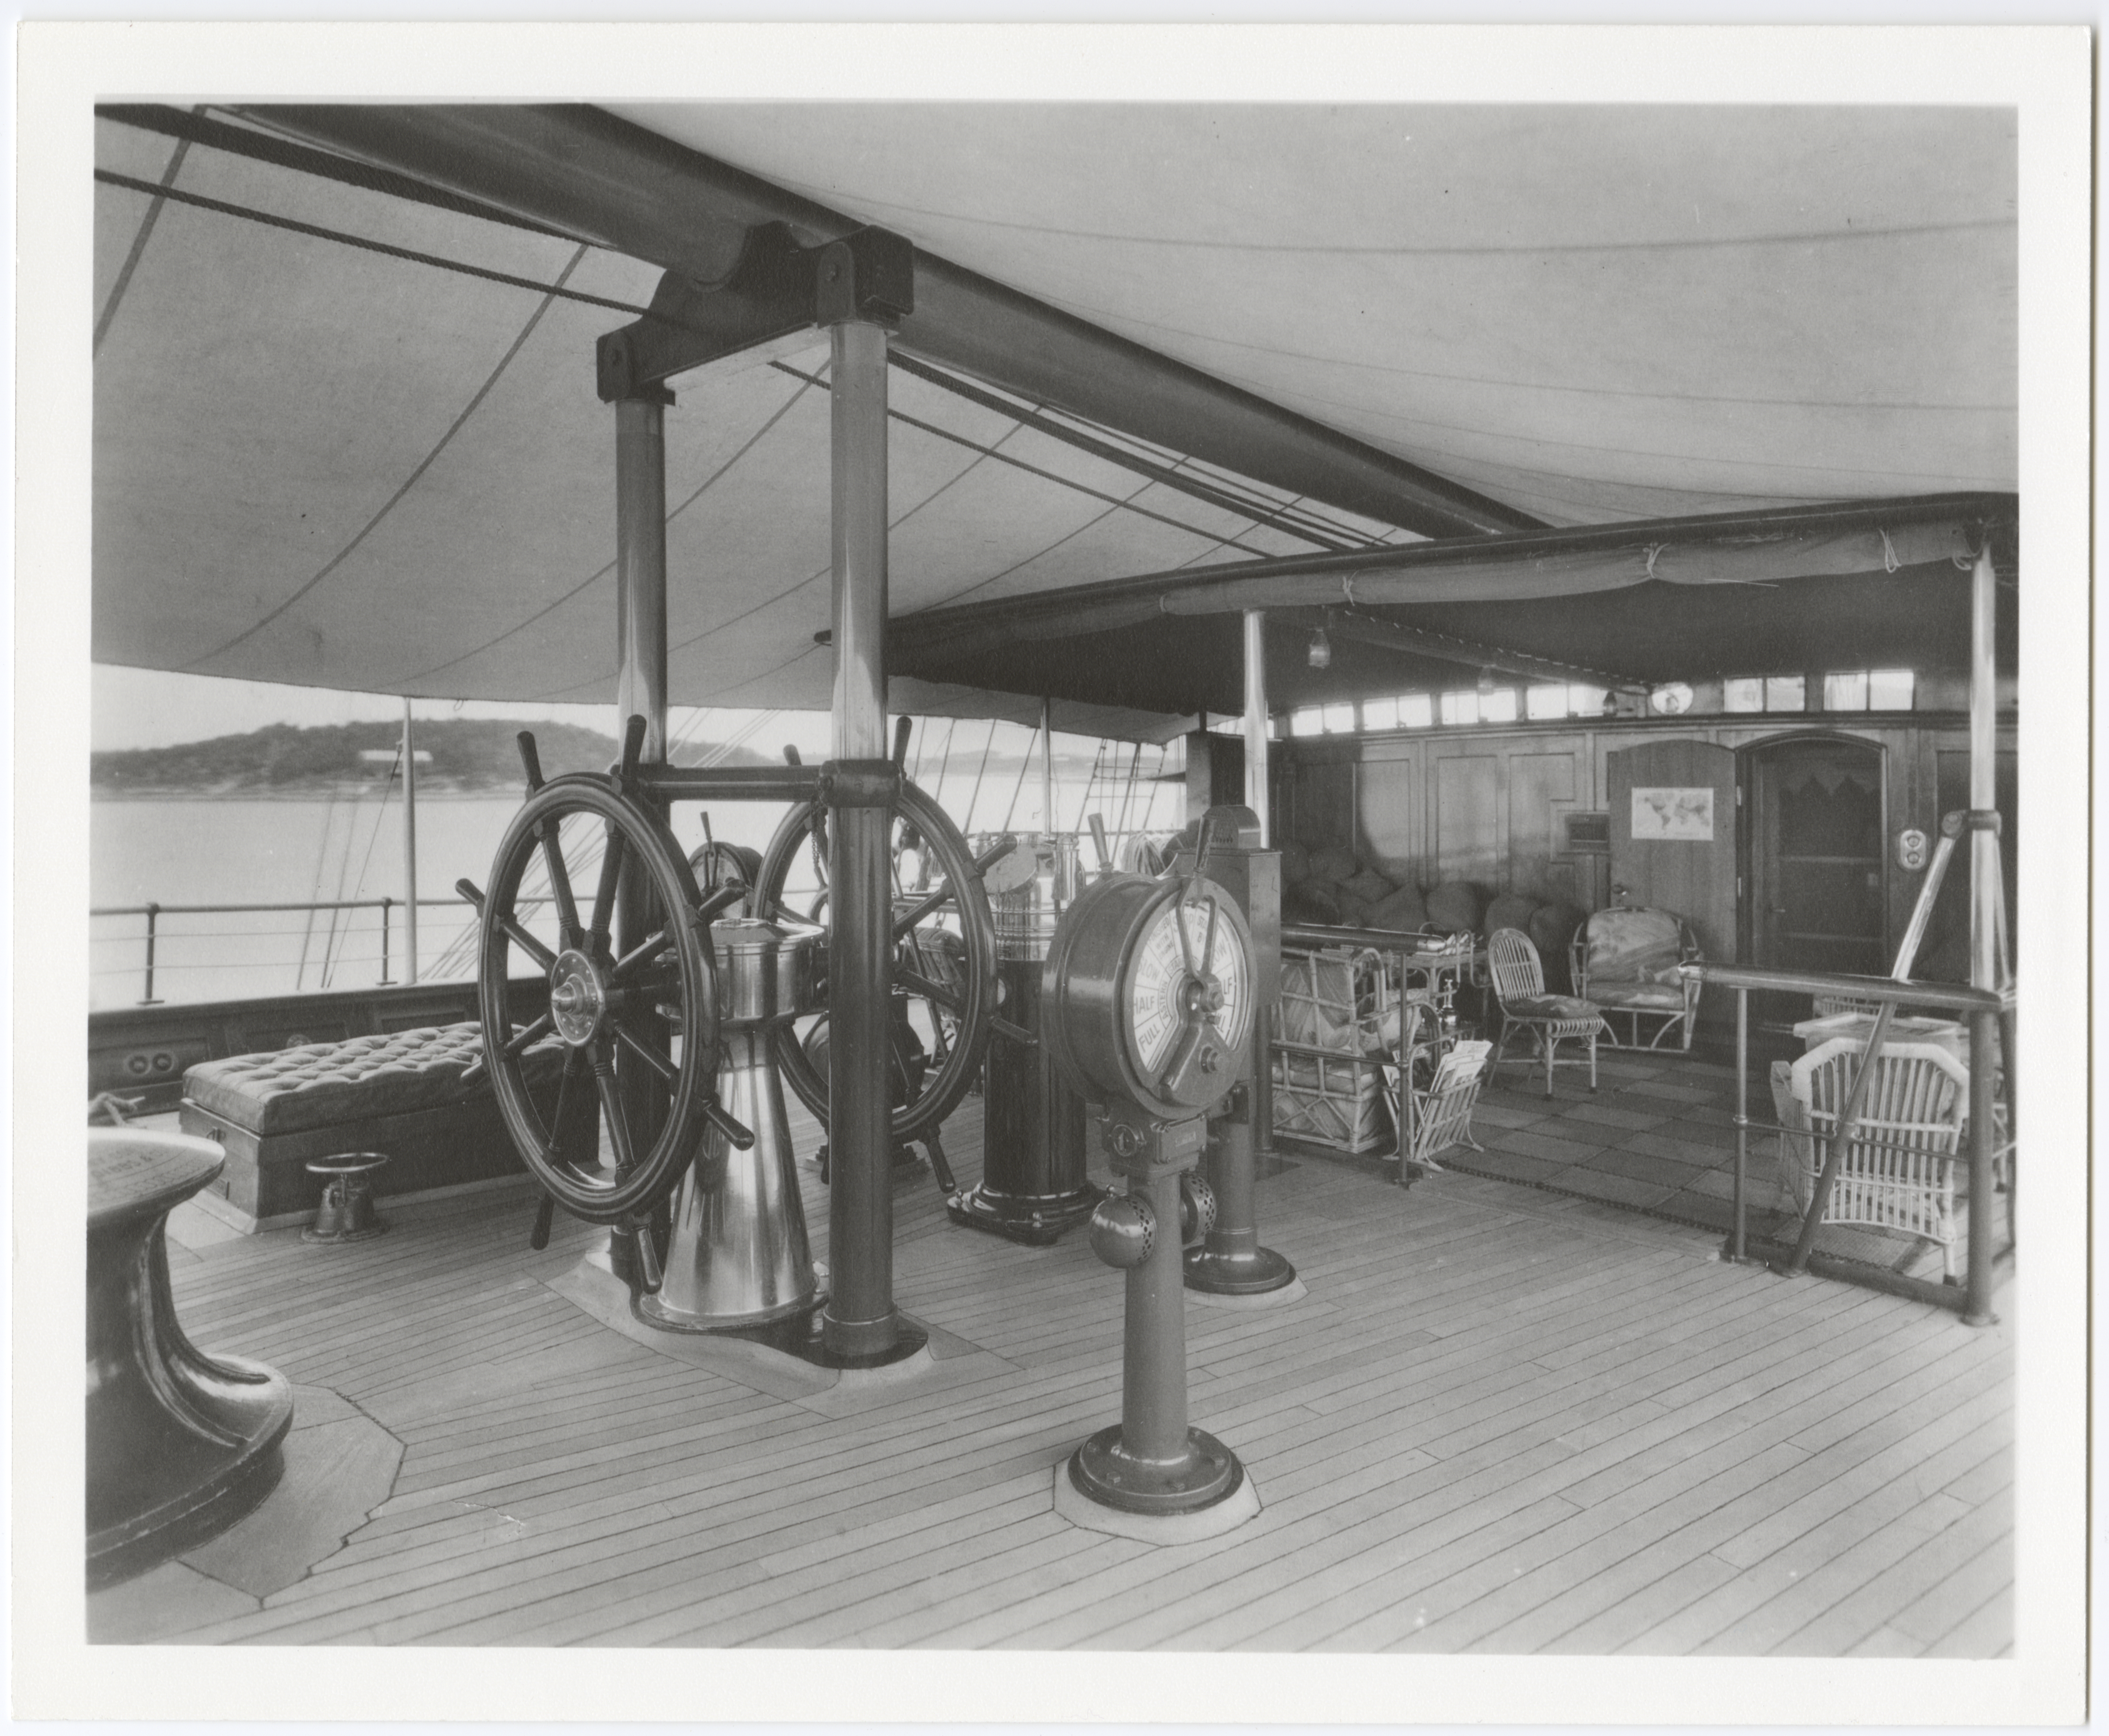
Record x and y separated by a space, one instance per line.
1505 1419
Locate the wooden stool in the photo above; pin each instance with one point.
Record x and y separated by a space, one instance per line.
180 1444
346 1213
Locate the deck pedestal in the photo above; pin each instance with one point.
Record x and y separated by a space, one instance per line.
180 1444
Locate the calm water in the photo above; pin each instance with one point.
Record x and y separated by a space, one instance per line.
262 852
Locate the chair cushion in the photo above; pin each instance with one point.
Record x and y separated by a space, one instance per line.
1661 996
322 1084
1630 946
1548 1006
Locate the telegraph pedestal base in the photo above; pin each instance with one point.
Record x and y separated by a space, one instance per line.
1248 1274
1038 1222
1103 1469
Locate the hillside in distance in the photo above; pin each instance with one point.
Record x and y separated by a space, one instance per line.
466 755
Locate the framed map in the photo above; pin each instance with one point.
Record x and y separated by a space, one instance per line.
1674 816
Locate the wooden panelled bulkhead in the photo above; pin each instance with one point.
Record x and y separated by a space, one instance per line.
1489 803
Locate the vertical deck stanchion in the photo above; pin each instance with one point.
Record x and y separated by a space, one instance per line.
1256 788
153 910
1737 1245
409 857
385 903
640 625
859 1322
1984 786
1986 920
1047 768
1256 741
1977 1310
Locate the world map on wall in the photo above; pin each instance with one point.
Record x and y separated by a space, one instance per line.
1674 816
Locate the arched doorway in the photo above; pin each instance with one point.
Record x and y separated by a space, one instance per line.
1818 899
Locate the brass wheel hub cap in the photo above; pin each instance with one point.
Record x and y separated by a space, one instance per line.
577 998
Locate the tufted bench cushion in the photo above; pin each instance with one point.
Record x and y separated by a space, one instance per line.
320 1084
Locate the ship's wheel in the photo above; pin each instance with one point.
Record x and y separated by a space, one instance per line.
654 1004
943 958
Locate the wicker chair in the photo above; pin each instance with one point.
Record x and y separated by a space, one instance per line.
1898 1172
1519 980
1625 961
1443 1114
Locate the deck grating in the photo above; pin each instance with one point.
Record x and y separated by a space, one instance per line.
1504 1419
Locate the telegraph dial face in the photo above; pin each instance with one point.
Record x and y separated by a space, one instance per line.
1187 1004
1146 995
1163 1001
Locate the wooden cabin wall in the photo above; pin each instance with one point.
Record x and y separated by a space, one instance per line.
1487 804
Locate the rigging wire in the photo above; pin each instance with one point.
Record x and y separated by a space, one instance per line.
344 869
315 891
1018 789
975 795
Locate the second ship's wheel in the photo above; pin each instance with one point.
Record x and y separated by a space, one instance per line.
655 1004
943 958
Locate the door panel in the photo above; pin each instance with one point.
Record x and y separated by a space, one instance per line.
1683 858
1818 893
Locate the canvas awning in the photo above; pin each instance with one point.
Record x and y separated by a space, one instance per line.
362 466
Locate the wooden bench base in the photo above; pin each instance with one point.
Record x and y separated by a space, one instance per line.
428 1148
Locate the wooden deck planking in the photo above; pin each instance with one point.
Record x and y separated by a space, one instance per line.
1521 1419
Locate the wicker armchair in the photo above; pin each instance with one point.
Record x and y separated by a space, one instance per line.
1625 961
1519 980
1898 1172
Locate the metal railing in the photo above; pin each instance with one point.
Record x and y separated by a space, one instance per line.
1989 1016
154 910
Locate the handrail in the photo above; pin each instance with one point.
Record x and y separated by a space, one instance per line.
153 911
229 910
1953 997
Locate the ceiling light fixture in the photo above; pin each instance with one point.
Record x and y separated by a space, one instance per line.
1321 650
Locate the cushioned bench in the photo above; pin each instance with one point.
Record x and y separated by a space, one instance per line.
399 1093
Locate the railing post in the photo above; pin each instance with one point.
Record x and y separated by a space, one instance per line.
1736 1246
385 902
1977 1310
153 910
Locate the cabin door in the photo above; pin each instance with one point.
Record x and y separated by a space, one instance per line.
1672 806
1818 899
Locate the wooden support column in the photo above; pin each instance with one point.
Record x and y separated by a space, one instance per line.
860 1322
640 629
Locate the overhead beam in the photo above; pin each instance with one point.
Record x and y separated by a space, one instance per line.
602 179
1369 629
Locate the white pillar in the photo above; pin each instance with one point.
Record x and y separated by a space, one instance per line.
1984 889
410 848
1256 724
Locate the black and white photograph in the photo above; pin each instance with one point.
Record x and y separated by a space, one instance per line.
942 847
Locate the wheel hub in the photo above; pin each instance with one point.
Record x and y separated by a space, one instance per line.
577 997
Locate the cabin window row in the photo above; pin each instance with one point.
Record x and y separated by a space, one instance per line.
1840 690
